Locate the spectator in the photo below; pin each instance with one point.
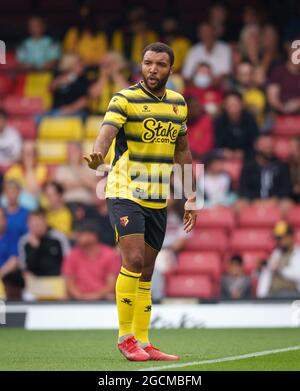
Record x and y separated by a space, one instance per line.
9 273
235 284
217 17
91 268
16 215
216 184
39 51
87 41
10 142
251 15
200 135
76 178
113 76
179 43
281 276
30 174
209 96
265 178
42 249
246 85
98 213
294 165
174 241
250 44
69 89
235 128
211 51
58 215
135 36
283 90
270 45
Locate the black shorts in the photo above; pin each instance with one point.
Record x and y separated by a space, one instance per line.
129 218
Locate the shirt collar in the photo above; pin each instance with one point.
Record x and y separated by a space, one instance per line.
149 93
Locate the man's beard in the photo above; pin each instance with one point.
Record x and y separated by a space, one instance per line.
161 84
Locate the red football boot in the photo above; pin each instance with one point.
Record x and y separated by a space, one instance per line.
157 355
130 349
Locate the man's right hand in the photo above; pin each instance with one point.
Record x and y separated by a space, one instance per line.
94 160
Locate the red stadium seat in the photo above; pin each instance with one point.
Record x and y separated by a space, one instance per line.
199 286
26 126
218 217
287 126
6 85
252 258
207 240
233 168
16 105
293 216
297 236
259 216
11 62
282 148
251 240
199 262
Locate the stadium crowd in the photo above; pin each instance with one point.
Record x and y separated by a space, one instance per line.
243 95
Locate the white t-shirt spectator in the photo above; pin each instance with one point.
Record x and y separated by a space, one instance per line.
219 58
10 146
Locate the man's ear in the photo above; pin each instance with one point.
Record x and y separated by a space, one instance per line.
172 70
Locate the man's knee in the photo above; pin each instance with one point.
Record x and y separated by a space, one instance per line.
134 261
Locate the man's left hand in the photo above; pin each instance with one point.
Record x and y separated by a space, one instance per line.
190 215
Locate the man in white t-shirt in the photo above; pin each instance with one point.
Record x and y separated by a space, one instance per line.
10 142
215 53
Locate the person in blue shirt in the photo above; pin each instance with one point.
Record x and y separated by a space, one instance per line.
39 51
16 215
8 246
10 274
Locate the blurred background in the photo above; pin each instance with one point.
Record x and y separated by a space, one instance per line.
65 60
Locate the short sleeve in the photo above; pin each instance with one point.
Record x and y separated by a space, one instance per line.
116 113
183 128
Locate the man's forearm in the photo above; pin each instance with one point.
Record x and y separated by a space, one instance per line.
104 139
183 157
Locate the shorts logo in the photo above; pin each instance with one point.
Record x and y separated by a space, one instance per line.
175 109
148 308
124 220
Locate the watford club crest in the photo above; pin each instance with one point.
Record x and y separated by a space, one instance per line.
124 220
175 109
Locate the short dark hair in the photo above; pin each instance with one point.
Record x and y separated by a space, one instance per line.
37 212
3 113
57 186
237 259
160 47
233 93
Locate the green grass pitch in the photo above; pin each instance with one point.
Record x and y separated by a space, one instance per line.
96 349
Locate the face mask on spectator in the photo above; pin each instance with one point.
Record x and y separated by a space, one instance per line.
211 108
202 81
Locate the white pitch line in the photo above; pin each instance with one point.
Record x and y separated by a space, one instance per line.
223 359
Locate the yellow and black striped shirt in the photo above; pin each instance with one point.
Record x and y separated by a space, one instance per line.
145 144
